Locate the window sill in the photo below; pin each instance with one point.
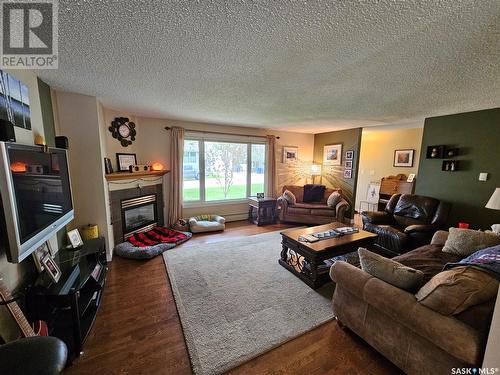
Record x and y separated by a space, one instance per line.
215 203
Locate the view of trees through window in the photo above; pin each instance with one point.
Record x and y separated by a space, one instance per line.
216 171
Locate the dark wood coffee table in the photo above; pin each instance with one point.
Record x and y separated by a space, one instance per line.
306 259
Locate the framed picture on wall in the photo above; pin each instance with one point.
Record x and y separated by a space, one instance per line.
348 164
403 158
290 154
124 161
347 173
332 154
349 155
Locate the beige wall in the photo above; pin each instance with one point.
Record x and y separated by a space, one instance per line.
152 144
377 154
80 120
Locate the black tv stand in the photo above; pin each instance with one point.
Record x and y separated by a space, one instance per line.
70 306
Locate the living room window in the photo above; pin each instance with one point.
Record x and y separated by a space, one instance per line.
222 170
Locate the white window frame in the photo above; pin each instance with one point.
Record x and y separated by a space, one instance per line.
249 141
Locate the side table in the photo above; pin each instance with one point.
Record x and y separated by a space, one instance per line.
262 210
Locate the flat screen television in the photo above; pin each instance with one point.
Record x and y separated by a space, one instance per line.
35 194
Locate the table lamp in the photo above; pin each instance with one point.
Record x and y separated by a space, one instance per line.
494 204
315 170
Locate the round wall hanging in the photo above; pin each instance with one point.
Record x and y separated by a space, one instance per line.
123 130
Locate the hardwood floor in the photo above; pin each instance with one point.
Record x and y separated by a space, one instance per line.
137 330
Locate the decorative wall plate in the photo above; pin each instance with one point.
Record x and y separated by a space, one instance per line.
123 130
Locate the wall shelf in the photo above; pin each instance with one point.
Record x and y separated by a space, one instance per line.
130 176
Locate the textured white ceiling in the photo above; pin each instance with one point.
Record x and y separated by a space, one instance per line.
304 65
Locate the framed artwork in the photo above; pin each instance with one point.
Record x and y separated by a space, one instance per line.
51 267
411 177
74 238
124 161
347 173
332 154
260 195
348 164
349 155
14 101
403 158
290 154
39 254
373 193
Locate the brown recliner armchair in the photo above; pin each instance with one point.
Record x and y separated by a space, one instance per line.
316 213
408 221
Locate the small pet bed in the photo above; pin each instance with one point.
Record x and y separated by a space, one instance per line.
207 223
147 247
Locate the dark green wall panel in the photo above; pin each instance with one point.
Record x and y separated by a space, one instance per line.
477 135
47 112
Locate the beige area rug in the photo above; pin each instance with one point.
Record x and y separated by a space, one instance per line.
236 302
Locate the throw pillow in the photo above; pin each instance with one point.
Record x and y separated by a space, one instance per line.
390 271
314 193
464 242
454 291
333 199
289 197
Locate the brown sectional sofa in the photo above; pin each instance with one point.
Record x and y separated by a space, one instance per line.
310 213
415 338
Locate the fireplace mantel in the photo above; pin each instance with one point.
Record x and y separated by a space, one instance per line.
133 176
128 180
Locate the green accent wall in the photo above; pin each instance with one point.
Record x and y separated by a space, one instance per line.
47 113
477 136
333 176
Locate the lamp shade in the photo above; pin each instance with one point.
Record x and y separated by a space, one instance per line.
494 202
316 170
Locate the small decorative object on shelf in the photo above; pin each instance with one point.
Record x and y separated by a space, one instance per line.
157 167
51 268
107 166
75 239
451 152
435 152
450 165
260 195
123 130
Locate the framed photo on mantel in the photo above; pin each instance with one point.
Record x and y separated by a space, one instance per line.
124 161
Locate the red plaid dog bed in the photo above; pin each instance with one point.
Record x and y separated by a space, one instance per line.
156 236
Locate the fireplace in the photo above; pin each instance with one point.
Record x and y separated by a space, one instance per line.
138 214
135 210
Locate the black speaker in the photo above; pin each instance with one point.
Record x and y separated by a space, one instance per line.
62 142
7 133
